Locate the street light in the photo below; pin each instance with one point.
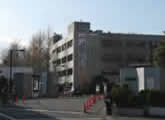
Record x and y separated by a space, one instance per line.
11 64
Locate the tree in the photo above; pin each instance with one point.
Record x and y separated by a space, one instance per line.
38 51
159 55
17 57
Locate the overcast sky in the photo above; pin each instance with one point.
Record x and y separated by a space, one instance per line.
19 19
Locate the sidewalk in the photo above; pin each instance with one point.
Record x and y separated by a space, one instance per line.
98 109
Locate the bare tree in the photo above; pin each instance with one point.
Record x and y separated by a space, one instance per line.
16 56
39 51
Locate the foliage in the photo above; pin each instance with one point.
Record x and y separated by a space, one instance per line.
36 55
159 55
3 84
3 89
153 98
97 80
122 96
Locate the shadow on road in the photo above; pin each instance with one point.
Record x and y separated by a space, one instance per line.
19 112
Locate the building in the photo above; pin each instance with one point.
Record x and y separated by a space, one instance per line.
22 79
84 54
142 78
5 71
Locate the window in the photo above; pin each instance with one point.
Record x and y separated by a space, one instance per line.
111 58
106 43
64 72
64 46
54 62
69 44
63 59
54 51
58 49
58 61
70 71
70 57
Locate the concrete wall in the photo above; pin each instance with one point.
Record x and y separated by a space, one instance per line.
24 84
129 76
52 85
147 78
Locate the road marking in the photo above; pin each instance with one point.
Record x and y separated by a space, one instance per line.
45 110
41 110
6 116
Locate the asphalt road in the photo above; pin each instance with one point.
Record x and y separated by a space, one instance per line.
54 109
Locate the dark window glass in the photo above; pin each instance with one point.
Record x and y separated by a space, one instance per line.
70 71
58 49
70 57
54 62
54 51
58 61
63 59
63 47
69 44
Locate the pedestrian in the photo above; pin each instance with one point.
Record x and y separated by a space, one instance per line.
108 103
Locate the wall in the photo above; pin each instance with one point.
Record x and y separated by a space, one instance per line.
152 78
52 85
162 79
23 84
129 76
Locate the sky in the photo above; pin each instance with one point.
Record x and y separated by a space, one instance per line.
19 19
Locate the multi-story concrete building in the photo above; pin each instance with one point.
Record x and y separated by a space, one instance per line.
84 53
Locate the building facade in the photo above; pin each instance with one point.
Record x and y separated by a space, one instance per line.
84 54
142 78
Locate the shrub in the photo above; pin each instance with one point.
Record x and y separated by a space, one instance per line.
122 96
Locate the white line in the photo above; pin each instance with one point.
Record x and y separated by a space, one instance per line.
44 110
41 110
6 116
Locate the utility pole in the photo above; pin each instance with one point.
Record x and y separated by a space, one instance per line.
10 78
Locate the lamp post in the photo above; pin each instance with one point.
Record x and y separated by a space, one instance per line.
11 64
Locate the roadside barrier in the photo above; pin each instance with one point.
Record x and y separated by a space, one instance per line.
91 101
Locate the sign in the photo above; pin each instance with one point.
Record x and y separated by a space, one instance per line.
35 85
97 88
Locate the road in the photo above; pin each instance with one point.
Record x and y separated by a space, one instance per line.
54 109
49 109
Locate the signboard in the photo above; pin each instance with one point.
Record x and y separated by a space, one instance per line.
97 88
35 85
